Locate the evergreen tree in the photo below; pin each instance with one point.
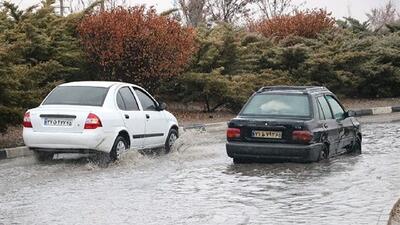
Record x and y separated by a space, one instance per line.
38 50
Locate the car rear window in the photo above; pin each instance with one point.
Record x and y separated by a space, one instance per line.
287 105
77 95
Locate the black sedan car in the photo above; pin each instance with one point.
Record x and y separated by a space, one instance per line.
290 123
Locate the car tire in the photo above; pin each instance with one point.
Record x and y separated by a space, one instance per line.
323 154
43 156
171 139
119 146
240 161
357 146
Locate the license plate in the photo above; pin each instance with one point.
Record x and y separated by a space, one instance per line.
54 122
267 134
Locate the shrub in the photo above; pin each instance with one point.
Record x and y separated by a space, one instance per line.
217 91
212 89
37 51
136 45
217 49
303 23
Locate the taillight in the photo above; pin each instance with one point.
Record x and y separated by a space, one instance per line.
302 136
92 122
27 120
232 133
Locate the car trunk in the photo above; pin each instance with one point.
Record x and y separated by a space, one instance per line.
267 130
66 119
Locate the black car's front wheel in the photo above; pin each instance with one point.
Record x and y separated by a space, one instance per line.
357 147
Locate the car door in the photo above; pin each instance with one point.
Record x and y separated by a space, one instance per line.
156 124
132 116
345 124
329 124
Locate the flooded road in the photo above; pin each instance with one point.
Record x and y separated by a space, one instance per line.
198 184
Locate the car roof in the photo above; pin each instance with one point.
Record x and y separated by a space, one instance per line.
294 89
105 84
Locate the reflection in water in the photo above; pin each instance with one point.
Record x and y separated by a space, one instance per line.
198 184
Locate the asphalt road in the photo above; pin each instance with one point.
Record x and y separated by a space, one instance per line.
198 184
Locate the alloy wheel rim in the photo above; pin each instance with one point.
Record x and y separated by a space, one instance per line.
323 155
172 139
120 147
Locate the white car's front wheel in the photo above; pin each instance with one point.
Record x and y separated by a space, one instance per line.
171 139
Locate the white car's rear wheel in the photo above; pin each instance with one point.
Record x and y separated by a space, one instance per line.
171 139
43 156
120 145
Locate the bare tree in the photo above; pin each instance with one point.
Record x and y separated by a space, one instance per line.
227 10
79 5
193 11
378 18
273 8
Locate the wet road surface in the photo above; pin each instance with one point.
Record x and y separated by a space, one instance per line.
198 184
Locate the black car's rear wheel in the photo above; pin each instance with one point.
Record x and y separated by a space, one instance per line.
324 153
43 156
240 161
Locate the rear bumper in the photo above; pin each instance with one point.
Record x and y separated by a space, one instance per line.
274 151
92 140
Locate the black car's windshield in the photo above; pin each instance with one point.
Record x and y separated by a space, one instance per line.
77 95
287 105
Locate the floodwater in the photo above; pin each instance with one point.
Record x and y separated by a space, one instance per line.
198 184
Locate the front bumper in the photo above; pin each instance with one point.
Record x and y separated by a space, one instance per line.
274 151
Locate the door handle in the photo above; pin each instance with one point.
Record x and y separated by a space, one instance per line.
126 116
147 116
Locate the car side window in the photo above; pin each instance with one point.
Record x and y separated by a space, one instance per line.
325 108
337 109
320 112
128 99
147 103
120 102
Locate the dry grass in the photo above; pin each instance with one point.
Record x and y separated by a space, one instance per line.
186 118
193 113
370 103
12 138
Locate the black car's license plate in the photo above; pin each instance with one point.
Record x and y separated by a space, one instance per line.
267 134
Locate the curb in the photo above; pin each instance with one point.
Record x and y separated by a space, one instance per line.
376 111
393 214
386 215
203 127
10 153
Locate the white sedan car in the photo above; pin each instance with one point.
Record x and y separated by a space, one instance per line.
93 117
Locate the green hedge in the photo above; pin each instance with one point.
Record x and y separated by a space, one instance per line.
350 62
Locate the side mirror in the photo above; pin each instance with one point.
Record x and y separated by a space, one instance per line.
162 106
350 113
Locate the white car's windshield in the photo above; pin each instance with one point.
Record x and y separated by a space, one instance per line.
77 95
278 105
